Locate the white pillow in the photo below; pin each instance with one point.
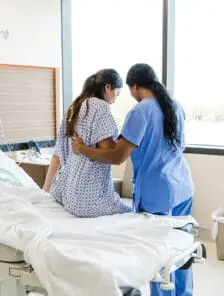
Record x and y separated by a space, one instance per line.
12 174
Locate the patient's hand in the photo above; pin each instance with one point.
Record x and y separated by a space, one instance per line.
77 142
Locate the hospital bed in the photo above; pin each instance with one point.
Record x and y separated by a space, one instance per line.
19 277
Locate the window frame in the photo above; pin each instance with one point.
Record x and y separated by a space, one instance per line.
66 37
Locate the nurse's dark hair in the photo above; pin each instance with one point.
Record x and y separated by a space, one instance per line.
142 75
94 86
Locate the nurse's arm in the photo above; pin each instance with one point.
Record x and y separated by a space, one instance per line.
108 143
117 155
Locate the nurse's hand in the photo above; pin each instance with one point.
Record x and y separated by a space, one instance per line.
77 142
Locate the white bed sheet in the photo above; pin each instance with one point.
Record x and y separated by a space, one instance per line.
88 256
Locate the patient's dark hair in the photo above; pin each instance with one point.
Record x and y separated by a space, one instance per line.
94 86
142 75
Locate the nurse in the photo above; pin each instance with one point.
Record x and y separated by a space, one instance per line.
153 135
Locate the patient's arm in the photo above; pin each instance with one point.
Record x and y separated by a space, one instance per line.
52 172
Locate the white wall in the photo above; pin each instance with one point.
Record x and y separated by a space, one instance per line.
208 176
34 32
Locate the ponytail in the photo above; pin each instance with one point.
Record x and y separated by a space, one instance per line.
73 110
170 119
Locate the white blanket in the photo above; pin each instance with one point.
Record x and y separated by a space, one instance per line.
84 257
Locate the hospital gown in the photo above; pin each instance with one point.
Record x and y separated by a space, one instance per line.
83 186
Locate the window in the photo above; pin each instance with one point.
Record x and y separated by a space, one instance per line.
199 64
115 34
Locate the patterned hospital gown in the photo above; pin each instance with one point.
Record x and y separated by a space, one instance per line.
83 186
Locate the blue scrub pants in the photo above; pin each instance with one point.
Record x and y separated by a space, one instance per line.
183 279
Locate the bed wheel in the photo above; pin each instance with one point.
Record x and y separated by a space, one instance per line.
133 292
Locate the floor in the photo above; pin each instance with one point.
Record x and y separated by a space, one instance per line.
208 277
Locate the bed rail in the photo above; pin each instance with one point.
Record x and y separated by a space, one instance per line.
194 253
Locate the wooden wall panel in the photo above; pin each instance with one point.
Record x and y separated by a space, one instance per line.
29 103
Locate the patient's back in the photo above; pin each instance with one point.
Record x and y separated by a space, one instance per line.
85 187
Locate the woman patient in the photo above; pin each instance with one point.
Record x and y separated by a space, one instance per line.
85 187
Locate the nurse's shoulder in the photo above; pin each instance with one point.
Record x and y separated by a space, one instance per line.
137 121
144 108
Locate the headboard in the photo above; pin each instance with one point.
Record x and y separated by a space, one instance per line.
29 102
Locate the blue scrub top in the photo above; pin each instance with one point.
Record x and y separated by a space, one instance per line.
162 178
